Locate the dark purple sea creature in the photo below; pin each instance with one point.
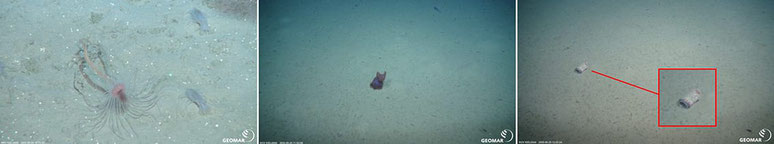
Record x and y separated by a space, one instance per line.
378 81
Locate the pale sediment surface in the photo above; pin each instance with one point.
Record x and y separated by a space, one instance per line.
451 71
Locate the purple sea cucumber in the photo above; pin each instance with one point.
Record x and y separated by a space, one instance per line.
378 81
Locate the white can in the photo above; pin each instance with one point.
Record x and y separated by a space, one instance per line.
690 99
582 68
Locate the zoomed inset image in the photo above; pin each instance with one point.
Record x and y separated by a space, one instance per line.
687 97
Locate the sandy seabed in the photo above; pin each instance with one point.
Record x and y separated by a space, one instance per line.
140 41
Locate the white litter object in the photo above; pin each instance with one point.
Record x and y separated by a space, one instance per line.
690 99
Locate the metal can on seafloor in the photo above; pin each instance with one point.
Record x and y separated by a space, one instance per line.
690 99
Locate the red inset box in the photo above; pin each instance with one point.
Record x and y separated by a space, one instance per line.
658 109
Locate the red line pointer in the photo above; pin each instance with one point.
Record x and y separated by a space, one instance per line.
624 82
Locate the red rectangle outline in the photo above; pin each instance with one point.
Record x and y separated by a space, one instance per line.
658 103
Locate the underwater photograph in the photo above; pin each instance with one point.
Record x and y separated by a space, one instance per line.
128 71
386 71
